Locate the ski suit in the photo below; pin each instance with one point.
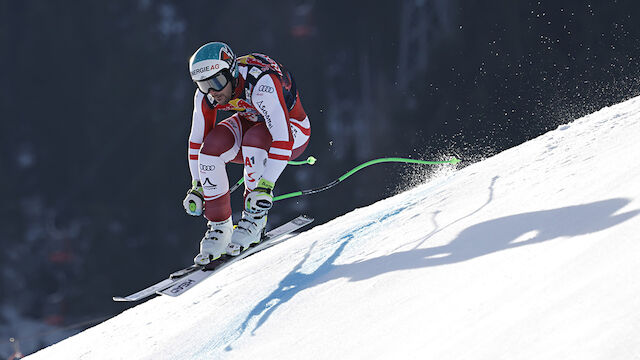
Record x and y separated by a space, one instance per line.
269 128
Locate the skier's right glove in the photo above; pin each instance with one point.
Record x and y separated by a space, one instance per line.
194 201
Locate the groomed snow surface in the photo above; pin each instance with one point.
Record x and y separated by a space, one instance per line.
531 254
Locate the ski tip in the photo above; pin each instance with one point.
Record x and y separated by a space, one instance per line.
454 160
119 298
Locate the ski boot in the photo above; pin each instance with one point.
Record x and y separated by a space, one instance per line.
215 241
249 231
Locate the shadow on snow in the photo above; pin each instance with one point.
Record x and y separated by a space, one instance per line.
475 241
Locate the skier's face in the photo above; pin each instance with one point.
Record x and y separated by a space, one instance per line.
223 96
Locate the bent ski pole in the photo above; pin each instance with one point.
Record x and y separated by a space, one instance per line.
359 167
310 160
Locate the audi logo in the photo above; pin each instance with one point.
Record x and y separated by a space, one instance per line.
265 88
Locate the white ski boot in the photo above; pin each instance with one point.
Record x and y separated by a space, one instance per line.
215 241
249 231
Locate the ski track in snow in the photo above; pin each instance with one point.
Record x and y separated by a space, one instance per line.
529 254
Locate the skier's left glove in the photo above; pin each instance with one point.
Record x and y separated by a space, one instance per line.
260 199
194 201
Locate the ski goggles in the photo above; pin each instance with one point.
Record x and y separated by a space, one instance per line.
217 82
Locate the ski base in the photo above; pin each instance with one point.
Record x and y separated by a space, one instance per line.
184 279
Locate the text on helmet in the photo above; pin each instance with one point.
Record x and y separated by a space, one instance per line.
205 69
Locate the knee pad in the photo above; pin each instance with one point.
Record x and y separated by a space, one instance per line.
213 176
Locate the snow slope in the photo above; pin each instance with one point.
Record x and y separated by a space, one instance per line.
530 254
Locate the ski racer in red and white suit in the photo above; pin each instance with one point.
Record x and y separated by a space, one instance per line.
269 128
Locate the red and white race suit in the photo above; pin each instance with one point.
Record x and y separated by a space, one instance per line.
269 128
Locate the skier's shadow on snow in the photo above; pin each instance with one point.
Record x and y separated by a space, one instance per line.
496 235
475 241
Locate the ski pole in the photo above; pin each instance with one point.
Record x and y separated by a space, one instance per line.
310 160
453 160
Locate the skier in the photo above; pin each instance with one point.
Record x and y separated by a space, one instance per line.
269 128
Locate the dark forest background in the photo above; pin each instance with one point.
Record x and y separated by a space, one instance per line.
96 101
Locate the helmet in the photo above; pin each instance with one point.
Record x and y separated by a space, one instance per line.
211 59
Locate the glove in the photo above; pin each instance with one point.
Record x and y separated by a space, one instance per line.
260 199
194 201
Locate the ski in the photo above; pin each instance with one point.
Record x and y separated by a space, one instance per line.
184 279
